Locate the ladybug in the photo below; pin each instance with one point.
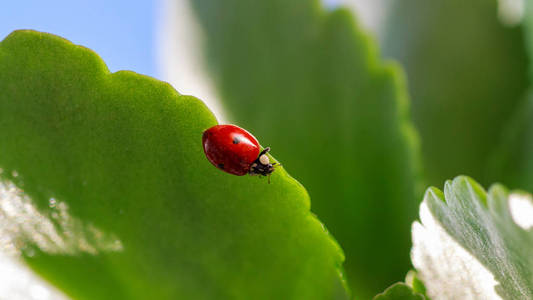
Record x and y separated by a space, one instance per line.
236 151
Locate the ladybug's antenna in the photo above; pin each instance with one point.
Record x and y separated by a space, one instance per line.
265 151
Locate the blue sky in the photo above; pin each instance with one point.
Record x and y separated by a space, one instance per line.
121 32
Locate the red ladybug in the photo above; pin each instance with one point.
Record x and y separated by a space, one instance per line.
235 151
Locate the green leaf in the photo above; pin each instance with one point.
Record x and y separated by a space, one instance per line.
412 289
487 226
513 156
399 291
467 76
116 199
312 85
412 279
528 32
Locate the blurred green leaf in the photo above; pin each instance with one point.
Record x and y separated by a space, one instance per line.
513 156
467 75
312 85
482 223
399 291
528 26
120 155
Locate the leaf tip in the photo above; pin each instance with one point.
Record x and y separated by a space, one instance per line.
399 290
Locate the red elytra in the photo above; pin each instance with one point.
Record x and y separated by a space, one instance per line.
235 151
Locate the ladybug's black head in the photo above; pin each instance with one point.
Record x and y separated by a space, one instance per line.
262 165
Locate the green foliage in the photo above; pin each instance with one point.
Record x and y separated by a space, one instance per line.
482 223
528 25
312 86
415 283
467 75
124 152
399 291
513 157
112 164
